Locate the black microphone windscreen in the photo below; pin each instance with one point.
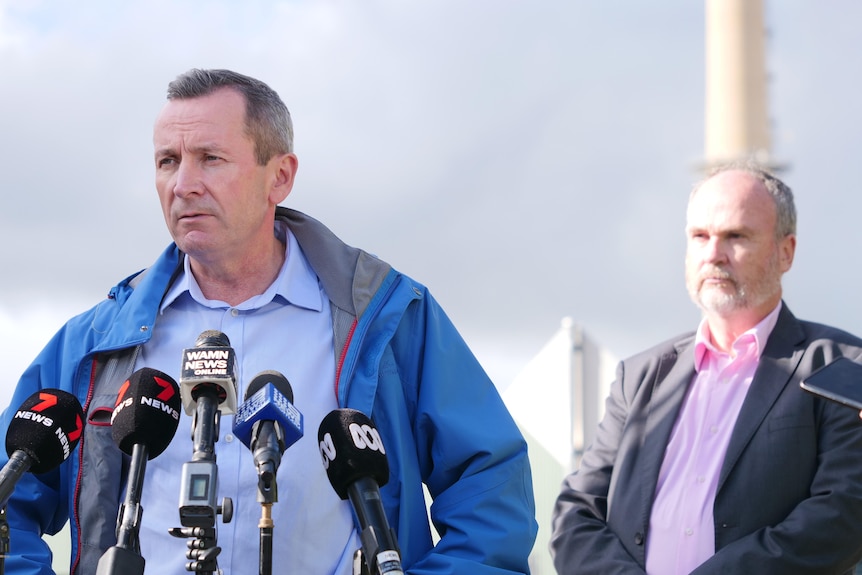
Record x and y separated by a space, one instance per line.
147 412
47 427
351 449
270 376
212 337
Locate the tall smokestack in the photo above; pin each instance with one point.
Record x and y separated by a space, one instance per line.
737 118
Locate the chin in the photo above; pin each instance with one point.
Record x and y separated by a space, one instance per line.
720 303
194 241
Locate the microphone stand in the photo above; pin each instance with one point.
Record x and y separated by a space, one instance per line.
200 480
4 539
9 476
125 557
266 526
268 457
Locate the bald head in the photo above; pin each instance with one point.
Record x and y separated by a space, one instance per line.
781 194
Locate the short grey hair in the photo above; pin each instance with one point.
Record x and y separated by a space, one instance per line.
267 119
785 209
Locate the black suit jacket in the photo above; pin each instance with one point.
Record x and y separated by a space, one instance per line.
789 496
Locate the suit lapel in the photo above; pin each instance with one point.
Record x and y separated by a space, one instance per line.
777 364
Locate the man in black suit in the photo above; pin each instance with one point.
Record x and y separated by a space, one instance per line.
710 458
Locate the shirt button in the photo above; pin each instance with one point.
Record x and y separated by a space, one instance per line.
688 532
228 437
234 312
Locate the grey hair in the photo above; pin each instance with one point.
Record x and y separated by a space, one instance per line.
267 119
785 209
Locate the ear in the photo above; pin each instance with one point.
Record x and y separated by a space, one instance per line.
786 251
284 169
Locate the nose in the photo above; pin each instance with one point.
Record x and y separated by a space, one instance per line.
187 180
713 251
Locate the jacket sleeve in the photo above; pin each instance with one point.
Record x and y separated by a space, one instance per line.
472 458
38 503
581 541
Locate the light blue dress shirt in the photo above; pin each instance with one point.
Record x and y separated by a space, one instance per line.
288 328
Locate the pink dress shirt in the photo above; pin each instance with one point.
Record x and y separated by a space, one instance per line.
681 532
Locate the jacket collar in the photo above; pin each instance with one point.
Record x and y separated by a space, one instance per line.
350 276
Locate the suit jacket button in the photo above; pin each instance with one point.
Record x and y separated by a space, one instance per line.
639 538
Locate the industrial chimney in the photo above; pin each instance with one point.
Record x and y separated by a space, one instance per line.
737 118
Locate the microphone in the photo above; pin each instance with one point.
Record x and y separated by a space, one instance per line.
208 390
41 436
143 423
210 365
355 462
147 412
268 423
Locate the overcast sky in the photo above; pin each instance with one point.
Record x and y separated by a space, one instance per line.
526 160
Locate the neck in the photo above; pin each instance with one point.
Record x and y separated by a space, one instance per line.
725 329
723 334
238 280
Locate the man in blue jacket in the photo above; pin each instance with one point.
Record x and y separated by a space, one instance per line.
344 327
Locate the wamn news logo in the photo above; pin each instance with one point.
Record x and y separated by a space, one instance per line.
207 362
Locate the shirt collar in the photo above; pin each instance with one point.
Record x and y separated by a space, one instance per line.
296 282
755 336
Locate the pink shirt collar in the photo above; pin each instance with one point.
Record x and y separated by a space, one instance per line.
755 336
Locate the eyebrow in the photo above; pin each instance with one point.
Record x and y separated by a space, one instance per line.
163 152
197 149
741 229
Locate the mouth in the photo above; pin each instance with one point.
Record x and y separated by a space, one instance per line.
715 275
191 216
717 281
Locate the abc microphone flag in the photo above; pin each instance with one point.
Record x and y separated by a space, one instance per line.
355 462
41 436
351 449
